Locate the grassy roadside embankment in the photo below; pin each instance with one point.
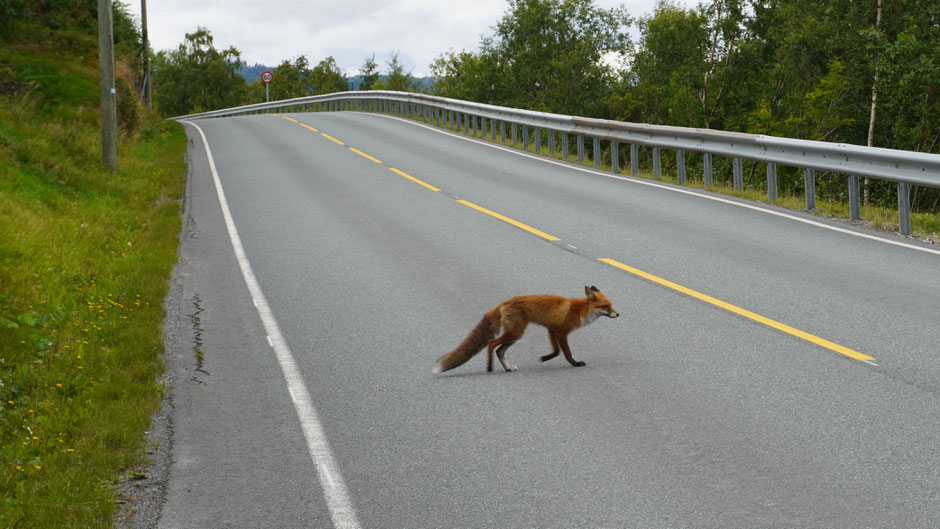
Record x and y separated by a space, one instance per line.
85 261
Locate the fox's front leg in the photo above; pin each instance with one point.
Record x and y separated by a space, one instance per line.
554 340
563 342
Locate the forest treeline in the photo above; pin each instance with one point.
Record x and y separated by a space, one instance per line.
864 72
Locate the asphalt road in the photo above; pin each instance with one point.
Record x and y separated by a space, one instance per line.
686 415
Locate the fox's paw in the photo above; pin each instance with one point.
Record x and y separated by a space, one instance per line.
579 364
510 368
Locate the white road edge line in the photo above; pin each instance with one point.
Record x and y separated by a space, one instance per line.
640 181
334 489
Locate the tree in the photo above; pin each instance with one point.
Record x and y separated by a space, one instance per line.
468 76
291 79
669 69
327 78
197 77
369 74
397 78
551 54
548 55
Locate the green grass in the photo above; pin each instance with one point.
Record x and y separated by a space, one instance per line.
85 258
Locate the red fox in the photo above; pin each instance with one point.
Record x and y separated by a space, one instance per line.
559 315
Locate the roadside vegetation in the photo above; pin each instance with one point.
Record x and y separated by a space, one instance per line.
85 259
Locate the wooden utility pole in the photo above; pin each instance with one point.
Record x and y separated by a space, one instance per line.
147 92
106 86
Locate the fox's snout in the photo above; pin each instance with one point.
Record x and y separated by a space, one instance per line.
612 314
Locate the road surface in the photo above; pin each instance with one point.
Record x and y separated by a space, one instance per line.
769 368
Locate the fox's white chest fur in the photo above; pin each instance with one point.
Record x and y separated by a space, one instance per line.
591 317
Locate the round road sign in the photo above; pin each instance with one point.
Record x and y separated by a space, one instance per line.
267 77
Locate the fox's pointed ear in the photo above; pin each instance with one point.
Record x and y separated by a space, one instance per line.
589 292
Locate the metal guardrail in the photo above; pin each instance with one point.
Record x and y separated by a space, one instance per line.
903 167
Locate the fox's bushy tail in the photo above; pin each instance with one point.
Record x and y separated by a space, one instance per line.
485 331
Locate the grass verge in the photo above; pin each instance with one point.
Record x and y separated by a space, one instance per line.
85 259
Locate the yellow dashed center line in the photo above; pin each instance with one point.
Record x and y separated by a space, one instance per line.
304 125
515 223
742 312
364 155
331 138
413 179
289 119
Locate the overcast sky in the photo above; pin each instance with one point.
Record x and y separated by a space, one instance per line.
269 32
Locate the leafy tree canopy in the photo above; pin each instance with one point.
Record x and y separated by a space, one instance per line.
197 77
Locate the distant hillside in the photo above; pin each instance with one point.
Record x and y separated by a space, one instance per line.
424 83
250 73
253 72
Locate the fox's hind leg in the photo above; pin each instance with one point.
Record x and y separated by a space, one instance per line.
501 344
502 351
554 340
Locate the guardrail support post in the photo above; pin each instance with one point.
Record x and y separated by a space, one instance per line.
680 166
634 159
515 135
614 157
809 185
904 208
855 206
493 130
551 142
538 140
502 132
737 170
771 182
580 149
707 169
657 164
564 146
525 137
483 127
597 153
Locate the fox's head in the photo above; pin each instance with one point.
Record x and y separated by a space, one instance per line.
601 305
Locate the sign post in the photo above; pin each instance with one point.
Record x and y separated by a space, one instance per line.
266 78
